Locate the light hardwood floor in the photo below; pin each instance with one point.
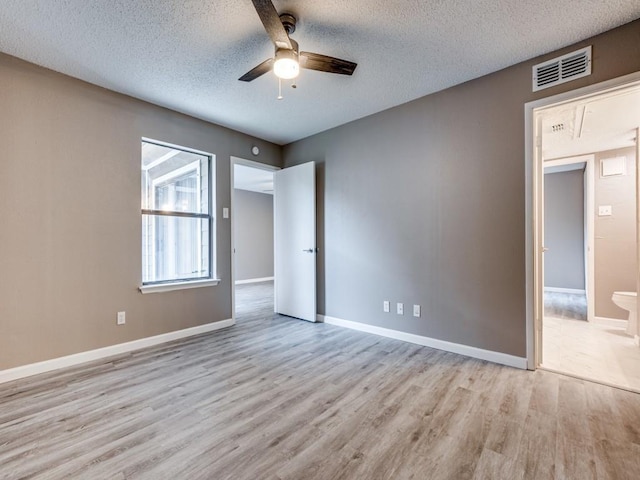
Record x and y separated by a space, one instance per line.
278 398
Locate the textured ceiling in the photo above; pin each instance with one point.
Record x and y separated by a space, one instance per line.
188 54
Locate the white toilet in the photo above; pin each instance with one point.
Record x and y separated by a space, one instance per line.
629 302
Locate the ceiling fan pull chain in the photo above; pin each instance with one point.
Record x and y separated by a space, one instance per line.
279 89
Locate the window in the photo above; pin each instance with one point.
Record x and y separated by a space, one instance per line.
177 225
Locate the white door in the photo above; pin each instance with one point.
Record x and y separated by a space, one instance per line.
540 248
295 241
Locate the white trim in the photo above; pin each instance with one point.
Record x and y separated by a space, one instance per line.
169 287
491 356
590 238
162 143
559 162
611 322
254 164
100 353
532 170
254 280
565 290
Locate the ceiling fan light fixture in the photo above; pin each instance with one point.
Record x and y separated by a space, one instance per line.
286 65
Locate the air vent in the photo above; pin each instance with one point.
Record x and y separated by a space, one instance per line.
558 127
562 69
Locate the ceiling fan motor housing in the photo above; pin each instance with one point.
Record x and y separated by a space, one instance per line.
292 53
288 22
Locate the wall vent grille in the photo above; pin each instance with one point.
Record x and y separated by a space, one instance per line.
562 69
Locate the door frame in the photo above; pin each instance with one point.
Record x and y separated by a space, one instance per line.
233 161
589 213
533 203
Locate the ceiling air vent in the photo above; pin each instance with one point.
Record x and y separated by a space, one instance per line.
562 69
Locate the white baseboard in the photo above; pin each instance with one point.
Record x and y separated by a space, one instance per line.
99 353
491 356
565 290
254 280
610 322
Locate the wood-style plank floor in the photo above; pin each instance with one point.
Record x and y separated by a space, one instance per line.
278 398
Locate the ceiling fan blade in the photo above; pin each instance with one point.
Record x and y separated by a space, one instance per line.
272 23
255 72
323 63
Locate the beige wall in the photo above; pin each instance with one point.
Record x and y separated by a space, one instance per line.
70 234
615 235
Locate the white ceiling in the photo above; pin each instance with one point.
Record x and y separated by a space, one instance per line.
188 54
606 122
253 179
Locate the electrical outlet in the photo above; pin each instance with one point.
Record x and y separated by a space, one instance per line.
416 310
121 319
386 306
400 308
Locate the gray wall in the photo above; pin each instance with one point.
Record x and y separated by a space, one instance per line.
253 235
615 243
564 229
425 203
70 254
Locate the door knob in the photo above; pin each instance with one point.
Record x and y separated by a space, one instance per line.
308 250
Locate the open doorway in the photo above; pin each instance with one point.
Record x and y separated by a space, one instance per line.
273 238
252 221
569 238
586 244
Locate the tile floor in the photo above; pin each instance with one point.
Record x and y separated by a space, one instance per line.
597 352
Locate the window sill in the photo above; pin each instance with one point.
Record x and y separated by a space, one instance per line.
168 287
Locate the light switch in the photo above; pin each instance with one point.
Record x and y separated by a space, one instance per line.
400 308
604 210
225 212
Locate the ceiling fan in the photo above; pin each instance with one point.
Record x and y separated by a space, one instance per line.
288 59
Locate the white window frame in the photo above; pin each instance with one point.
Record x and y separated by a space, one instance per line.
211 280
